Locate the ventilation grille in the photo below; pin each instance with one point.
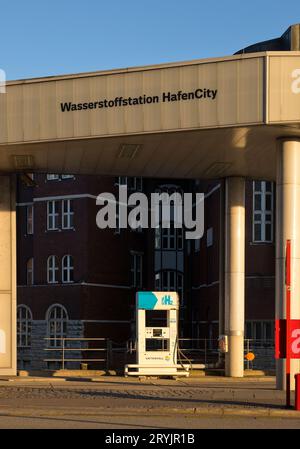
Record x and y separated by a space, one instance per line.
23 161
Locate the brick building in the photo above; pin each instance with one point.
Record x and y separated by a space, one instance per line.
77 281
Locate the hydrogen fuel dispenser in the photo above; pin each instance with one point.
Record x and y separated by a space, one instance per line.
157 336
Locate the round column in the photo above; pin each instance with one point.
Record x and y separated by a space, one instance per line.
235 275
287 228
8 269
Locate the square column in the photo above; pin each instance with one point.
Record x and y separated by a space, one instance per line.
7 275
287 228
235 275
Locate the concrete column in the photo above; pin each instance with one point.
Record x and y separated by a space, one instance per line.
235 275
221 360
7 276
287 228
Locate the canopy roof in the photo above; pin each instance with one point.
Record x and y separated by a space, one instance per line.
199 119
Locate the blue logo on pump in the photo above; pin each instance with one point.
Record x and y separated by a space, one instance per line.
146 300
167 300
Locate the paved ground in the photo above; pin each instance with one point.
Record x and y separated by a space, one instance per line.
115 402
154 423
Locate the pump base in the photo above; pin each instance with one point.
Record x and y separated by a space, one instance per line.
157 370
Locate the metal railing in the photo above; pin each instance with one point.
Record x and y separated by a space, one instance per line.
264 351
198 351
64 348
205 351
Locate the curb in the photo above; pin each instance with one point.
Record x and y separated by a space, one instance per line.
159 411
103 378
32 379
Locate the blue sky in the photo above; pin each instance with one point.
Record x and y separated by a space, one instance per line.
48 37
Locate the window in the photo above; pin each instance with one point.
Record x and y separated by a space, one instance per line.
135 183
132 183
170 280
209 237
52 270
67 214
29 219
67 176
52 216
57 319
262 211
52 177
157 238
67 269
261 331
136 270
197 245
122 180
179 234
29 272
169 238
24 320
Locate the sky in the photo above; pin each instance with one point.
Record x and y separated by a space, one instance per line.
53 37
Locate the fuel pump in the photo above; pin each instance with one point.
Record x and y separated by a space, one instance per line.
157 336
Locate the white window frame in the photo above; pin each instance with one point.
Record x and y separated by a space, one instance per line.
67 176
29 219
52 177
30 271
57 321
52 269
67 269
52 215
266 216
24 326
169 238
67 213
136 269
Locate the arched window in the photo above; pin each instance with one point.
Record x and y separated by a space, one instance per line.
52 270
29 272
57 318
67 269
24 320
